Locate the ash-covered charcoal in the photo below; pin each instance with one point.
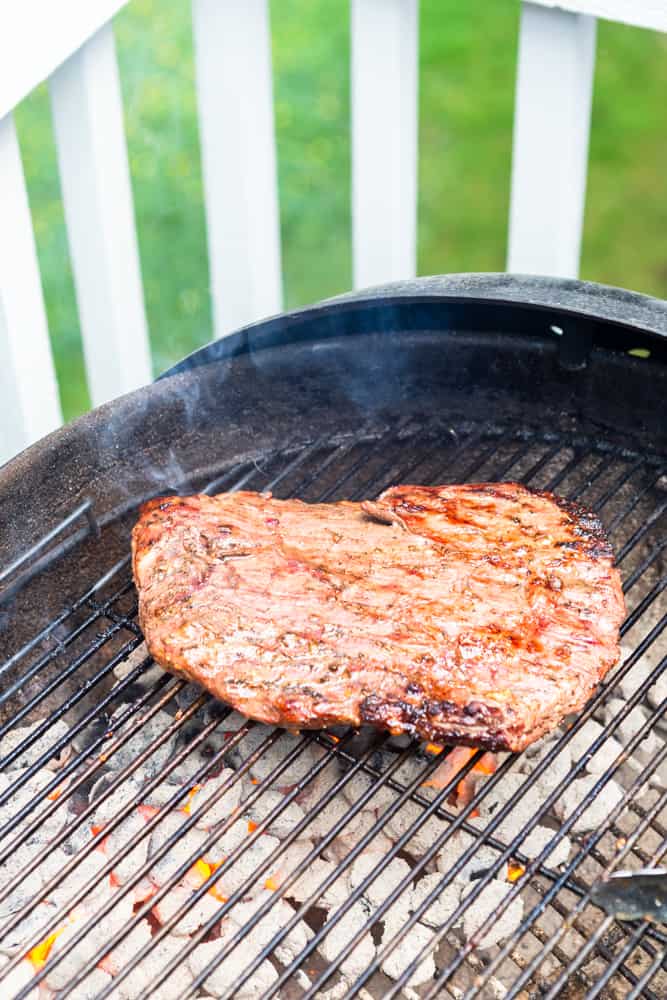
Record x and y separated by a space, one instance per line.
228 841
310 796
537 840
251 742
656 695
121 956
77 839
317 871
26 889
388 877
339 848
557 769
245 867
276 754
327 817
185 844
37 918
264 930
444 904
217 811
410 814
402 954
140 982
480 908
148 677
284 822
198 911
221 978
582 741
599 808
74 956
92 985
107 809
87 868
628 728
355 919
479 862
141 740
529 803
115 844
44 744
18 979
290 858
198 755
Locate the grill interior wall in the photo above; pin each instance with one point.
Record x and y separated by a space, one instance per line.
84 703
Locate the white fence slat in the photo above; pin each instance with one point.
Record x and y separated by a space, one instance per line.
640 13
384 74
92 158
36 36
235 99
551 127
29 403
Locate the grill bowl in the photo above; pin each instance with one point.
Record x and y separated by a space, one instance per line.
558 384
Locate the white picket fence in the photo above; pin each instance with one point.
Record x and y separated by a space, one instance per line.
71 44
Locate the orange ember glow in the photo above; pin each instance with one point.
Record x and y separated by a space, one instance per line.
254 781
335 739
203 871
187 808
147 812
454 762
273 882
96 829
434 749
515 871
39 954
450 766
251 826
56 793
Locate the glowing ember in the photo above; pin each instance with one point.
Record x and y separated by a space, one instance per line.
451 765
187 808
56 793
202 870
147 812
273 882
515 871
251 826
434 749
39 954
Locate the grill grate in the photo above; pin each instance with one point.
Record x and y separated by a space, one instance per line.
126 719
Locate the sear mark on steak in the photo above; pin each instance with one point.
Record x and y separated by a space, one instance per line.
479 614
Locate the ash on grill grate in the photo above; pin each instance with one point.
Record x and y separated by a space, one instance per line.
155 843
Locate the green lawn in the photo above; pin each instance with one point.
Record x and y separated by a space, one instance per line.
467 69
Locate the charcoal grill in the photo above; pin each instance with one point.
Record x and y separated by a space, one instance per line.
558 384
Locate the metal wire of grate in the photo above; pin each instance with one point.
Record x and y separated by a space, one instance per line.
326 861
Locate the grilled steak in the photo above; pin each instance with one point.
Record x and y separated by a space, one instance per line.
479 614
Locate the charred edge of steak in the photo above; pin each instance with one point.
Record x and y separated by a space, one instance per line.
441 722
587 526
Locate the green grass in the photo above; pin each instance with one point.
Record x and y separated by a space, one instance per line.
467 71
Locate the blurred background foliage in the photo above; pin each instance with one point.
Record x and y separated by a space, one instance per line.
467 76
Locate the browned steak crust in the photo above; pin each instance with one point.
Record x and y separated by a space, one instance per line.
478 614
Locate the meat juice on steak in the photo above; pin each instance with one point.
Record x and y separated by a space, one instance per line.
476 614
